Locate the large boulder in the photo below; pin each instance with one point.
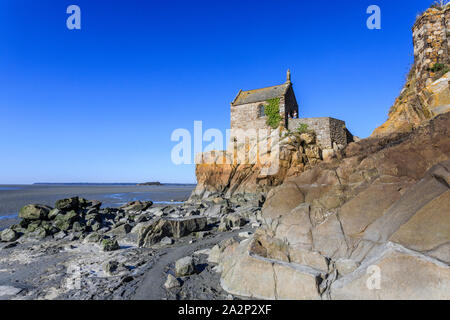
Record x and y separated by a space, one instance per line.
38 234
68 204
184 267
34 212
137 206
154 231
234 221
65 221
381 205
121 230
9 235
249 275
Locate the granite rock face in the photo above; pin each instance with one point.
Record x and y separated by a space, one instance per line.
222 174
426 93
381 210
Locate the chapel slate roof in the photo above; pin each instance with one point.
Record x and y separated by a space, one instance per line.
260 95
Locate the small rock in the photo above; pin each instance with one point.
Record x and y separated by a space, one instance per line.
222 227
110 267
53 213
77 227
309 138
171 282
121 230
110 245
166 241
235 221
201 234
127 279
96 226
73 236
10 245
38 234
9 235
137 206
94 204
140 219
245 235
184 267
93 237
60 235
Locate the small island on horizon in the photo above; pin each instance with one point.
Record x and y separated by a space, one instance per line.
153 183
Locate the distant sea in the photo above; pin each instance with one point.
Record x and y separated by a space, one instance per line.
14 197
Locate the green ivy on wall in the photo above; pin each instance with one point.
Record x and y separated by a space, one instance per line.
272 111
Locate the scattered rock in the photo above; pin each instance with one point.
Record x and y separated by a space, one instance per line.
166 241
53 213
110 244
110 267
34 212
245 235
60 235
223 227
137 206
93 237
184 267
171 282
9 235
38 234
10 245
201 234
67 204
234 221
167 227
121 230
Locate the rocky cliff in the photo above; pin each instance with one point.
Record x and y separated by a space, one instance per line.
382 208
426 92
219 174
371 221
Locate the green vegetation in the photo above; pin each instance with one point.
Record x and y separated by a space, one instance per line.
437 67
272 111
303 129
440 69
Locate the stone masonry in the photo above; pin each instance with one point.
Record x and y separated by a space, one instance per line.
247 116
247 113
328 130
431 39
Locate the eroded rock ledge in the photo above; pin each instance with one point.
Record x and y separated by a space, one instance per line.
385 204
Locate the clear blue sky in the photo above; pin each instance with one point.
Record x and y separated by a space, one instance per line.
100 104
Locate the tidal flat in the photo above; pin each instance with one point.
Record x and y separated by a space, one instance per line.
14 197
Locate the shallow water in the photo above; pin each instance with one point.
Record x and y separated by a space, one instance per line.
14 197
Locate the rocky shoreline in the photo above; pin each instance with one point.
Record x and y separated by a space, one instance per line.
79 250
